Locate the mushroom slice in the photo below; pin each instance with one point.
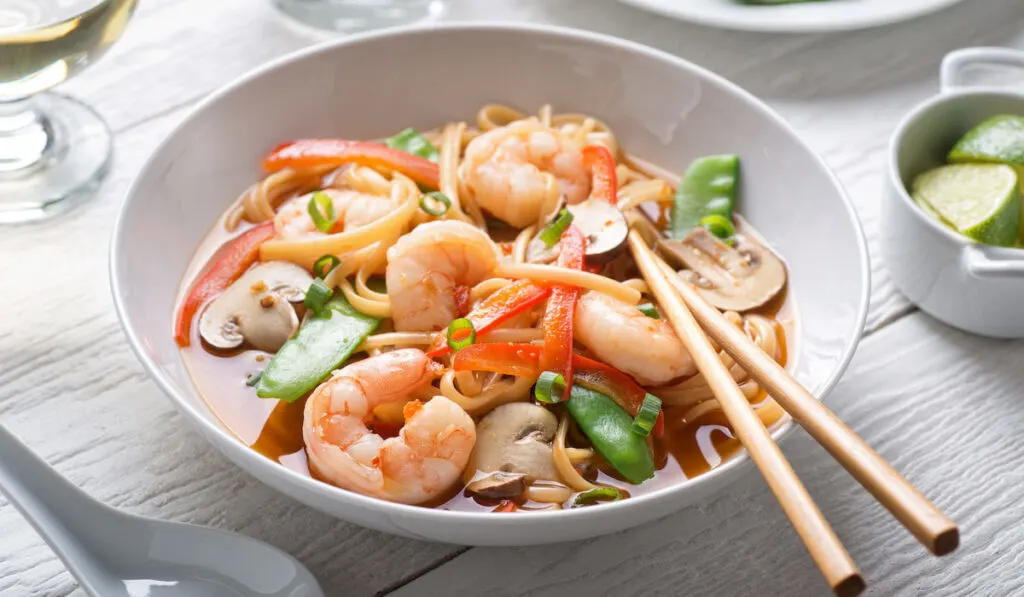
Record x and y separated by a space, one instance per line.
736 278
255 308
516 438
499 486
601 223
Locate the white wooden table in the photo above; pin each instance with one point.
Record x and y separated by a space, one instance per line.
945 408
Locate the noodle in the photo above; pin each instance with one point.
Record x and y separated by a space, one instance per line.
451 147
487 288
548 494
258 202
570 476
516 389
635 193
522 242
310 249
561 275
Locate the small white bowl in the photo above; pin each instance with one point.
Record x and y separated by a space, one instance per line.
663 109
974 287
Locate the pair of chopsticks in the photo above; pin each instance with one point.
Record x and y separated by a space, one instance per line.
691 316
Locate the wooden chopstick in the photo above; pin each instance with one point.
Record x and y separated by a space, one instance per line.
826 550
931 527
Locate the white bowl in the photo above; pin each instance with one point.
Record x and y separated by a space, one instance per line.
663 109
974 287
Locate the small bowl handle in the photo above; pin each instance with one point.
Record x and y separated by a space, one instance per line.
958 61
993 262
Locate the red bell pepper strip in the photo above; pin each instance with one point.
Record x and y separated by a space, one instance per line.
496 309
505 506
309 153
601 162
557 353
226 266
524 359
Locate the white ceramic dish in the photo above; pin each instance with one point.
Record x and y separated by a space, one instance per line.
837 15
663 108
974 287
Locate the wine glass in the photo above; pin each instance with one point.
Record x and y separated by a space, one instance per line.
53 149
350 16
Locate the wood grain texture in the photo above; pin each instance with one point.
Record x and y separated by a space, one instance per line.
70 387
942 406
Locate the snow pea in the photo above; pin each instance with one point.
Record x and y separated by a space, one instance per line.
610 429
708 188
324 341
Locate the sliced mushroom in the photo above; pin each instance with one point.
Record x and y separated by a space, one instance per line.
737 278
516 438
602 224
256 308
499 486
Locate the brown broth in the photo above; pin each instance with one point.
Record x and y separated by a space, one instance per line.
273 427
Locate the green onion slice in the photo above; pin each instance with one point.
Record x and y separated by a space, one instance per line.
254 379
649 310
458 337
442 203
321 209
550 388
721 227
317 295
553 231
324 265
599 494
647 415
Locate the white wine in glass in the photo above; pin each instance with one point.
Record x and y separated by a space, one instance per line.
53 149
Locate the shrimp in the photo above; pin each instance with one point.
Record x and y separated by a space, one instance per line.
510 169
422 462
351 209
620 335
430 271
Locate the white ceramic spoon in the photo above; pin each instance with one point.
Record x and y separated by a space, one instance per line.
113 554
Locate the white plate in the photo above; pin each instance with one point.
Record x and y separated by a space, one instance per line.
661 107
834 15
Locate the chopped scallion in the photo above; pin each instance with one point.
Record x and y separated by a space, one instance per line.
649 310
253 379
721 227
443 203
461 334
550 388
553 231
324 265
647 415
321 209
317 295
599 494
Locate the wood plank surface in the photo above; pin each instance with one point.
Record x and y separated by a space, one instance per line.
946 414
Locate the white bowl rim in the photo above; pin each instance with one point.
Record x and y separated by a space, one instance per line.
895 175
728 471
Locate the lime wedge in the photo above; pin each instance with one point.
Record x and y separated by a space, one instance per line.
999 139
981 201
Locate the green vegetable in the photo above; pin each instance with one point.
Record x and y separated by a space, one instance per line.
253 379
411 141
649 310
721 227
647 415
324 265
321 209
709 187
610 429
324 341
317 295
444 203
458 338
599 494
549 388
553 231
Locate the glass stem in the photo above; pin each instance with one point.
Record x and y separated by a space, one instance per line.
24 135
